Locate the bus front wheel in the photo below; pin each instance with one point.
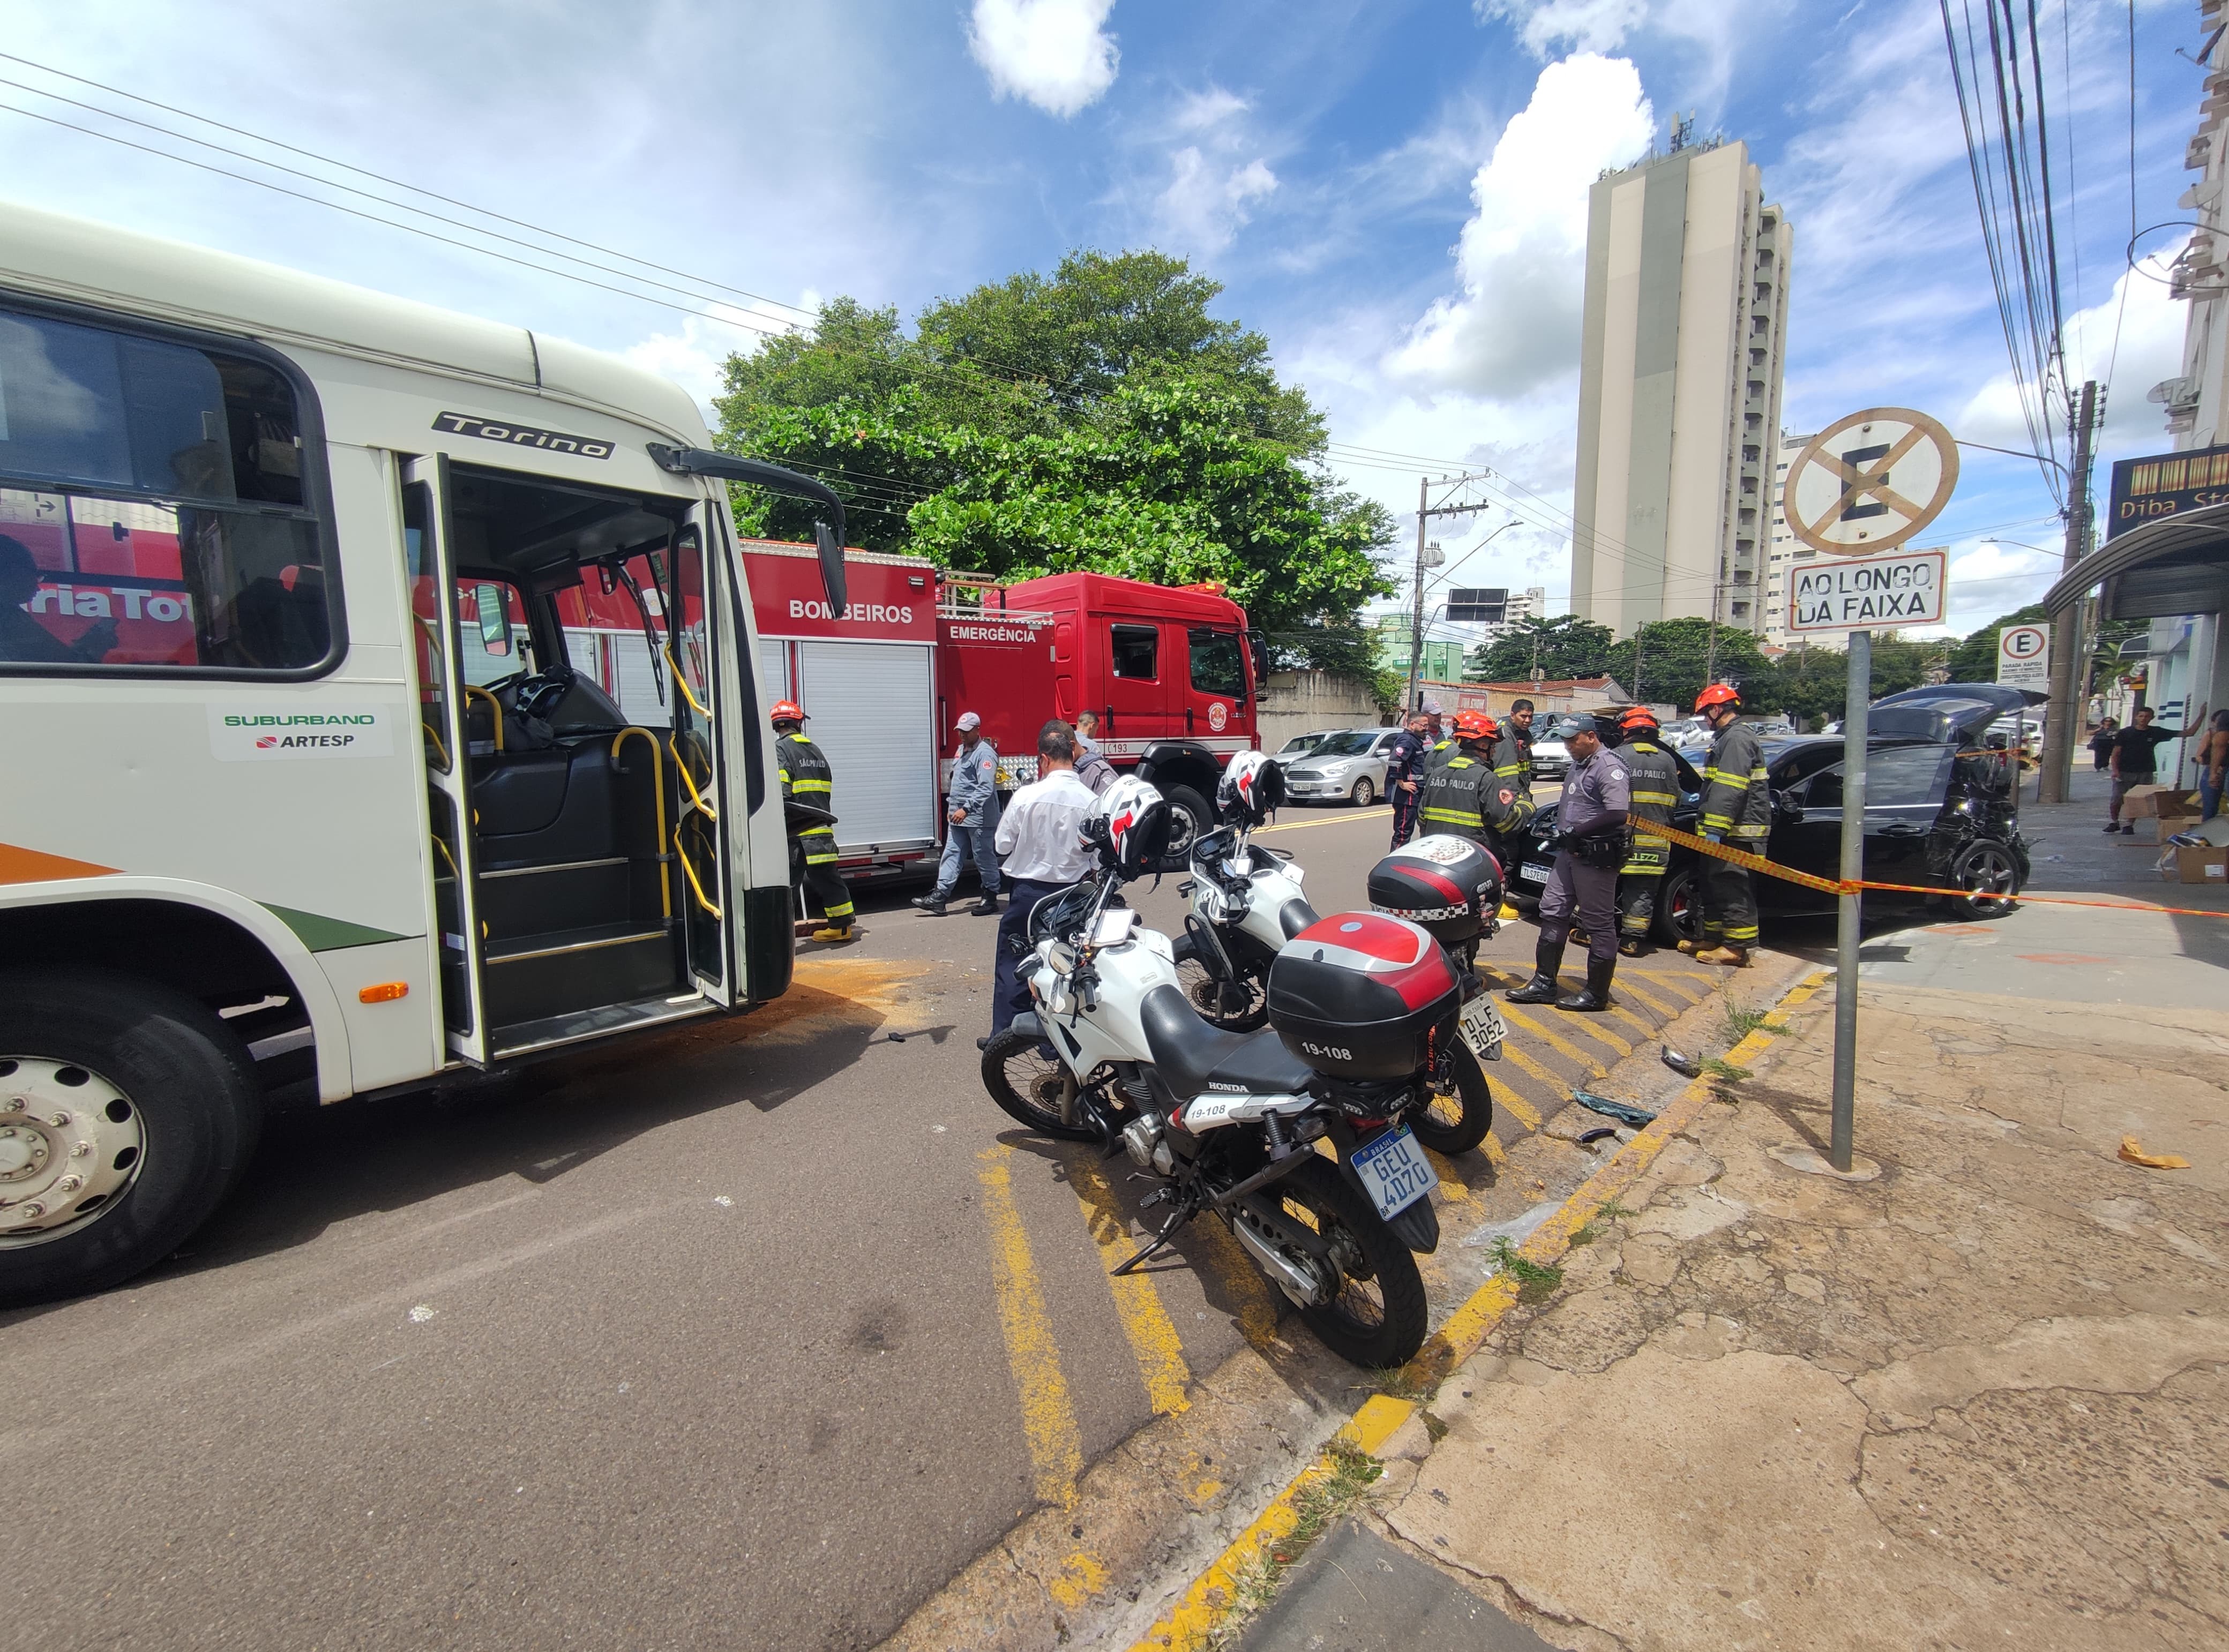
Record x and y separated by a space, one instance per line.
127 1112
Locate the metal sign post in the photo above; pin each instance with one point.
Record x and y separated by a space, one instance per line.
1863 486
1849 917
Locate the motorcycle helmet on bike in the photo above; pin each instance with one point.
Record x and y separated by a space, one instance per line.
1129 826
1250 788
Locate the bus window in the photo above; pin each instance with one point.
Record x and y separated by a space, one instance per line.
153 511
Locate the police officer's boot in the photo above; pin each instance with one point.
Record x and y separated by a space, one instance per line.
1596 994
1547 958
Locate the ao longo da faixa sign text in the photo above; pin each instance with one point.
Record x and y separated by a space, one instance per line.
1847 593
2167 484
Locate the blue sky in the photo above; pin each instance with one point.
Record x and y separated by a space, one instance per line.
1393 192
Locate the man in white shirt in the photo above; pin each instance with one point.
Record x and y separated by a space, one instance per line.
1042 851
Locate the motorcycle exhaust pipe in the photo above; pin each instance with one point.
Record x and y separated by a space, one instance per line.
1298 1282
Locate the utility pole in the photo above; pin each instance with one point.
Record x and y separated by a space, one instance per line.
1416 621
2066 625
1639 699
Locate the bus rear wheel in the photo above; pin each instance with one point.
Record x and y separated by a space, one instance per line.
127 1110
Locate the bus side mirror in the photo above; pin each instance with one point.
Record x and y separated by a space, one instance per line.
494 613
832 568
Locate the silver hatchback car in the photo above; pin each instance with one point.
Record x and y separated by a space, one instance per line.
1346 767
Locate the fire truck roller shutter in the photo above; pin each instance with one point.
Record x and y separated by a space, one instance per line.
774 665
870 707
637 685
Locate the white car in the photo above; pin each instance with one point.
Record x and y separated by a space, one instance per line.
1298 747
1347 767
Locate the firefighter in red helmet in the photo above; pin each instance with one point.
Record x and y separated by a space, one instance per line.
1738 812
1653 793
807 780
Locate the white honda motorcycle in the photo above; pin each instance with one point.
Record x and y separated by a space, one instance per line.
1361 1006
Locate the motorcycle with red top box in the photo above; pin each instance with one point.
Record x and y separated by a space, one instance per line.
1363 1007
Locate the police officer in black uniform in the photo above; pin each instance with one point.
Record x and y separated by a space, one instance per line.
806 779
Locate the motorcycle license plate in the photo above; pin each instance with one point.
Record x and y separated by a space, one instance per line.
1536 872
1395 1170
1483 1028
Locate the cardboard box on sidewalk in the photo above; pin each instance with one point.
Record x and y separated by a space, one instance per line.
2206 865
2158 802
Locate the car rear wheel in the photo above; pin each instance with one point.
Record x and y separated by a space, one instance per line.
1991 877
1678 916
1364 794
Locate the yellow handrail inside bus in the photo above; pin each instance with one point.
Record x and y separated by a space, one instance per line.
682 684
696 888
496 710
435 734
450 858
658 785
695 795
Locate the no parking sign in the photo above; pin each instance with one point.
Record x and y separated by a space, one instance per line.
2024 657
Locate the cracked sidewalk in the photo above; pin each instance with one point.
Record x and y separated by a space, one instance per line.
1981 1399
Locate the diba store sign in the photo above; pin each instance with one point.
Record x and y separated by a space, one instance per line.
271 734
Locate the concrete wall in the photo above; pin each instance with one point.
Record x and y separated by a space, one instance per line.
1308 702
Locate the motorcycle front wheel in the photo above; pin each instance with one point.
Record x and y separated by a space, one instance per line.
1031 1084
1240 1006
1376 1320
1457 1120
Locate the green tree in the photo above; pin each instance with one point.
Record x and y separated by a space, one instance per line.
1565 646
1975 659
1676 657
1098 419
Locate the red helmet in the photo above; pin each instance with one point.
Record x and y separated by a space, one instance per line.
1719 694
787 711
1475 725
1637 717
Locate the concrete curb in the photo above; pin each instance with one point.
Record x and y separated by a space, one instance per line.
1211 1595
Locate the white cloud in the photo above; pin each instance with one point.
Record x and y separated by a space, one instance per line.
1522 258
695 356
1202 111
2137 346
1207 200
1581 25
1050 52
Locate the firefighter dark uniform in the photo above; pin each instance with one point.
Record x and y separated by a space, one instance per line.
1737 811
1404 761
806 779
1513 758
1463 796
1654 790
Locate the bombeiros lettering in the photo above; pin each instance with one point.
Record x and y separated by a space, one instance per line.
872 613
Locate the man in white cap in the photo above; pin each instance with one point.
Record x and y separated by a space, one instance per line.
972 821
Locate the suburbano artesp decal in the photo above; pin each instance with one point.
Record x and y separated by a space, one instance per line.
497 430
267 734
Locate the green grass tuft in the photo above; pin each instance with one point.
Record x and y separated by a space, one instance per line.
1534 1282
1720 1068
1740 1023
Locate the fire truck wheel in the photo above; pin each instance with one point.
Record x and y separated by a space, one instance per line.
1191 817
126 1112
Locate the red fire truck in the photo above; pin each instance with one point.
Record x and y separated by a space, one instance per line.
1171 672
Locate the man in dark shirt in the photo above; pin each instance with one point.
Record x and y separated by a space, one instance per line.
1404 773
2136 760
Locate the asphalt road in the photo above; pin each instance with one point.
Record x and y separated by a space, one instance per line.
751 1335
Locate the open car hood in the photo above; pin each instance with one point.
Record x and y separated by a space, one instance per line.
1951 711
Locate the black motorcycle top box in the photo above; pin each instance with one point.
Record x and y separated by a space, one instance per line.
1359 995
1449 885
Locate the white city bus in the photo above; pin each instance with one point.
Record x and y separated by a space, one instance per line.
299 791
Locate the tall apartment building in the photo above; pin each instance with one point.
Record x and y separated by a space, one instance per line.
1782 549
1685 322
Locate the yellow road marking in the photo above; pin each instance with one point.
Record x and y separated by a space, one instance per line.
1257 1314
1655 1006
1452 1186
1556 1085
1555 1042
1592 1026
1153 1337
1082 1576
1336 820
1192 1620
1048 1415
1679 981
1495 1153
1525 1113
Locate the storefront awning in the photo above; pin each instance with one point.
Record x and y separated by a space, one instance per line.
2173 565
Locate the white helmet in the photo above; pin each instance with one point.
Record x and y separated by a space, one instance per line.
1129 826
1251 786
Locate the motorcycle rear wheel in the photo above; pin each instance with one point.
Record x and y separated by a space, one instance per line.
1458 1121
1376 1320
1027 1084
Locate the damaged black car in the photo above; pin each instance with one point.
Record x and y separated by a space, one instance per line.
1940 814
